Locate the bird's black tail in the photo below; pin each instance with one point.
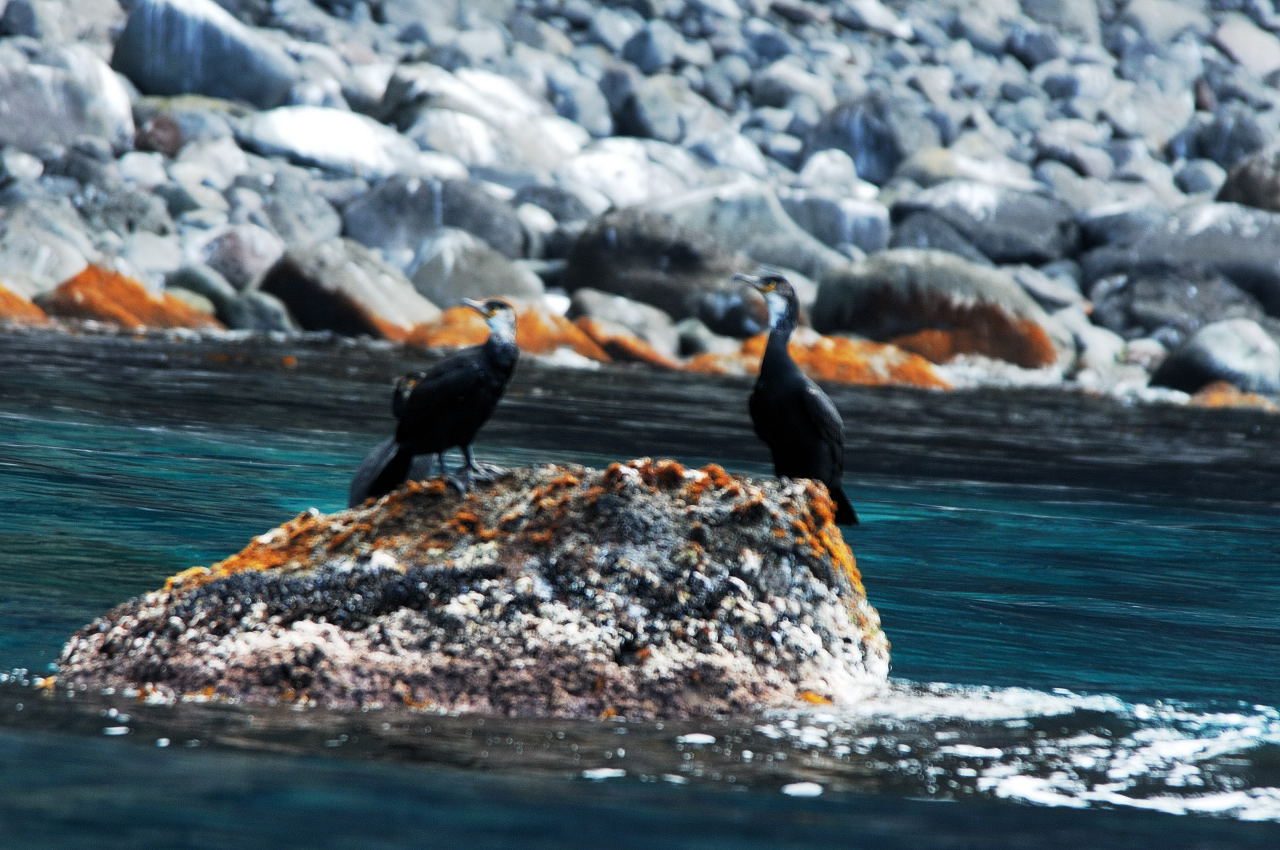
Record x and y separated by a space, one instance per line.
845 514
382 470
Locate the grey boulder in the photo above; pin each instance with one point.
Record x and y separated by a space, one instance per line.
453 264
1007 225
1238 351
746 216
336 140
1168 303
341 286
197 47
399 214
647 322
58 95
1236 241
648 257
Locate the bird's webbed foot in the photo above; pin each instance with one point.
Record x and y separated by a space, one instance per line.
485 472
471 471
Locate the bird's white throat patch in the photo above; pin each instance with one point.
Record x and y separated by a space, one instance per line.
503 324
777 304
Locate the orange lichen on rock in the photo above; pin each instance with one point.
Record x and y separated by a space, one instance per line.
548 507
294 542
854 361
814 698
538 331
103 295
817 529
986 330
467 523
710 477
456 327
344 536
544 497
1224 394
622 345
721 363
830 358
15 308
661 474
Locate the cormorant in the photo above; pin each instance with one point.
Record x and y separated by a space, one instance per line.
443 408
791 414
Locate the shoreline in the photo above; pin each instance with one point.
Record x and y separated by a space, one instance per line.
1039 435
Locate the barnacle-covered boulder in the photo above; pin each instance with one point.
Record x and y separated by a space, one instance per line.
645 589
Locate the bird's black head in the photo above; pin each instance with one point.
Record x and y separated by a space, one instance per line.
490 307
779 295
498 314
765 283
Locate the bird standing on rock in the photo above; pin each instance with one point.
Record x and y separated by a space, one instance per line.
444 407
791 414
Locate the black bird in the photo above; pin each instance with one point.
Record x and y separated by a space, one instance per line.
791 414
443 408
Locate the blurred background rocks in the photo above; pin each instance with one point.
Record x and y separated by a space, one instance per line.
1080 192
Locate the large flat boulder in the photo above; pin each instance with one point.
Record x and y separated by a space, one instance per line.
940 305
1230 239
340 285
642 590
649 257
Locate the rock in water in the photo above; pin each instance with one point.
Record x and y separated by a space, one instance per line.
643 590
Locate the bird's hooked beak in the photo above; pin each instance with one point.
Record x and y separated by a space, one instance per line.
773 298
478 306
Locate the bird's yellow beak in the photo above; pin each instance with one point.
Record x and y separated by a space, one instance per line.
755 283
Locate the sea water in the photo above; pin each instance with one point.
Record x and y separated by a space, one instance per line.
1085 639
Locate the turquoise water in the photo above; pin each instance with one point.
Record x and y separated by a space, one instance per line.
1084 623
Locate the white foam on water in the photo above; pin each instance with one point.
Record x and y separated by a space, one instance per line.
1158 756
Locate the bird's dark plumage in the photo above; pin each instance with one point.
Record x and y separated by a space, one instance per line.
791 414
442 408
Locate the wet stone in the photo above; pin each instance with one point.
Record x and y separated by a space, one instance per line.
643 590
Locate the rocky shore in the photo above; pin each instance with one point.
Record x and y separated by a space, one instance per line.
1054 192
643 590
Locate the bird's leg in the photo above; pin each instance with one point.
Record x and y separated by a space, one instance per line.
478 471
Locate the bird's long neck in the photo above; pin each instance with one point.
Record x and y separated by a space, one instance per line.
782 321
501 345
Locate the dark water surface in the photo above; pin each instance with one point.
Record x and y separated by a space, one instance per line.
1082 599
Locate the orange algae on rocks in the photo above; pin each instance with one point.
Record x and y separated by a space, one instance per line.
538 331
103 295
855 361
985 330
720 363
817 529
621 345
295 542
710 477
1224 394
836 359
661 474
15 308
